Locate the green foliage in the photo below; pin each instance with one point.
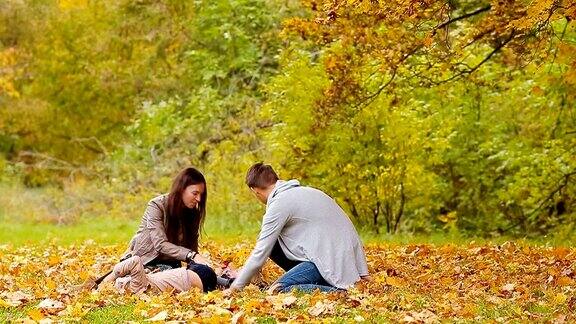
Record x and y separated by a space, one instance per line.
89 65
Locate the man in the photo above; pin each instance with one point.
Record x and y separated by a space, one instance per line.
306 233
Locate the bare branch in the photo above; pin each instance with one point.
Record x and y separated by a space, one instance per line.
464 16
101 148
486 59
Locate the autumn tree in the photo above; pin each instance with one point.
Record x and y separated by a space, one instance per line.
413 111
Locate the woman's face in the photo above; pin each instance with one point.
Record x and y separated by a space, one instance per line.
192 195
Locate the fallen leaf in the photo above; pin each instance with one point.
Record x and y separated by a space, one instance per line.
161 316
508 287
36 314
18 298
238 318
51 306
394 281
564 281
425 316
320 308
53 260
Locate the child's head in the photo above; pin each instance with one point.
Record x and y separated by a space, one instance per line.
206 274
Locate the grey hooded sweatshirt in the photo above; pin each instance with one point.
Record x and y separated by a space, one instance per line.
310 226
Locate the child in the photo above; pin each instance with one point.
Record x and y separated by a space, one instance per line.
129 275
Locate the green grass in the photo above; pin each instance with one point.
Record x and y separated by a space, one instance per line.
228 231
107 314
11 314
112 314
442 238
102 231
107 231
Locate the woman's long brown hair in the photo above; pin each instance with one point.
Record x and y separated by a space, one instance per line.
181 219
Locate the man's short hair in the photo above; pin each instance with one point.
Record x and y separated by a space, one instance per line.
261 176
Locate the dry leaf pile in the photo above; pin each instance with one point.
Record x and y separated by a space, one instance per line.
414 283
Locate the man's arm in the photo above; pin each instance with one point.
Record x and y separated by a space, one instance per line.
274 220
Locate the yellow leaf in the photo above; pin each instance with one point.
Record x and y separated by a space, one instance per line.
4 303
560 298
35 314
84 275
50 284
53 260
394 281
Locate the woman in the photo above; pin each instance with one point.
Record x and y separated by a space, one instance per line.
170 227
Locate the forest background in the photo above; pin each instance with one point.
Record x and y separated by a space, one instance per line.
449 118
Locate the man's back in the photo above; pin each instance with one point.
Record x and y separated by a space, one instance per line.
318 210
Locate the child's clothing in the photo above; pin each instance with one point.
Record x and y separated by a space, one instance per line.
131 276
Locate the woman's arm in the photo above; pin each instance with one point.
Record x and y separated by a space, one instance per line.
155 225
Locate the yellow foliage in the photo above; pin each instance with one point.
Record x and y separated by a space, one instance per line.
72 4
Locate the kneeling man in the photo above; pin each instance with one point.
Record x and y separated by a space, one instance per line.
306 233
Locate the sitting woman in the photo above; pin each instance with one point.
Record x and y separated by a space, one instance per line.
170 227
130 276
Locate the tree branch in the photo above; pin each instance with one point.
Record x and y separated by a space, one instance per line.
464 16
477 66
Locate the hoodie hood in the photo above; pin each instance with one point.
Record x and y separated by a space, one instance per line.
281 186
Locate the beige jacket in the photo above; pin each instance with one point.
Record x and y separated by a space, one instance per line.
150 240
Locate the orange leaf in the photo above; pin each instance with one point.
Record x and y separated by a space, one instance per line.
564 281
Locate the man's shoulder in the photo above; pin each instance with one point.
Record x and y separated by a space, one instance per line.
298 195
311 191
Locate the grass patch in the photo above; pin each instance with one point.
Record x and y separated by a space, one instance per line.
441 238
112 314
101 231
11 314
109 230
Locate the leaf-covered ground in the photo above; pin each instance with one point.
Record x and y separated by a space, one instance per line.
411 283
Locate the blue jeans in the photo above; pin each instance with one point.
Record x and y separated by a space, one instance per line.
304 277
